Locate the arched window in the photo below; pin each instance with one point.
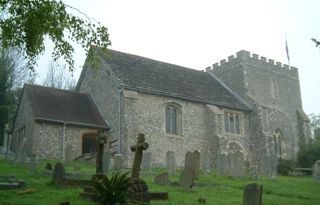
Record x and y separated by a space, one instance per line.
277 142
173 119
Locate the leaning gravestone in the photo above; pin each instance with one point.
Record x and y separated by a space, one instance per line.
162 179
316 170
59 173
187 176
106 162
146 161
222 164
68 154
252 194
171 163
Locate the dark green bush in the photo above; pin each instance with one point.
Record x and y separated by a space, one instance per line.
114 190
285 166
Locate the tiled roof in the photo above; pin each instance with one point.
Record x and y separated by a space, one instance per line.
57 106
152 76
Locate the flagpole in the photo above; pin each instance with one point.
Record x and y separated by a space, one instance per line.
287 50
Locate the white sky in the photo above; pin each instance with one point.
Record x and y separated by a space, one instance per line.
197 34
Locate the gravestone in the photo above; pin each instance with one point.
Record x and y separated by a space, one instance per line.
206 162
117 162
196 163
32 162
162 179
222 164
316 170
268 165
138 154
137 188
252 194
68 154
171 163
59 173
187 176
146 161
106 162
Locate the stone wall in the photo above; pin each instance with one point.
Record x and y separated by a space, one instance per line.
146 113
50 139
105 91
24 119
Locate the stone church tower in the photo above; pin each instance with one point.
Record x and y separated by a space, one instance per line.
278 124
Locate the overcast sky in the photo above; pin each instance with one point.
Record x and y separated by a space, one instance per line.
197 34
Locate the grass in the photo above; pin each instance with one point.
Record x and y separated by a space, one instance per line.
220 190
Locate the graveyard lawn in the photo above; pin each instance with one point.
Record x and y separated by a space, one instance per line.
215 190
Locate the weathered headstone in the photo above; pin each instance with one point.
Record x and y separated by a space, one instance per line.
268 165
33 164
68 154
252 194
138 189
117 162
222 164
146 161
162 179
171 163
196 163
187 176
59 173
106 162
316 170
138 153
206 162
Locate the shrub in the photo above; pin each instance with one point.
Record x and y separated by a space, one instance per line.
114 190
285 166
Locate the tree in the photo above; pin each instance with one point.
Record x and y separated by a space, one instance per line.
24 24
12 75
58 77
308 154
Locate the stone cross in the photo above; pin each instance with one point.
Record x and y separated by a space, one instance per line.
138 152
101 141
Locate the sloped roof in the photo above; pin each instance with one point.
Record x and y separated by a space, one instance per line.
59 106
147 75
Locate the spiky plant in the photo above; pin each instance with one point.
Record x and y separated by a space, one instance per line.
113 190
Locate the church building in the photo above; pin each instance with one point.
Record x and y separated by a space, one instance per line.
244 104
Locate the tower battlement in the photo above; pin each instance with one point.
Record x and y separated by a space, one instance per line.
245 57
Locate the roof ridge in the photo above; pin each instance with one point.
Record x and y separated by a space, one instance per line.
51 88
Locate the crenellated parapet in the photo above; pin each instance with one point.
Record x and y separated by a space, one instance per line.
246 58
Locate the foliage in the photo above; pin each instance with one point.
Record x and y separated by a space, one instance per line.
114 190
25 24
12 76
309 153
285 166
